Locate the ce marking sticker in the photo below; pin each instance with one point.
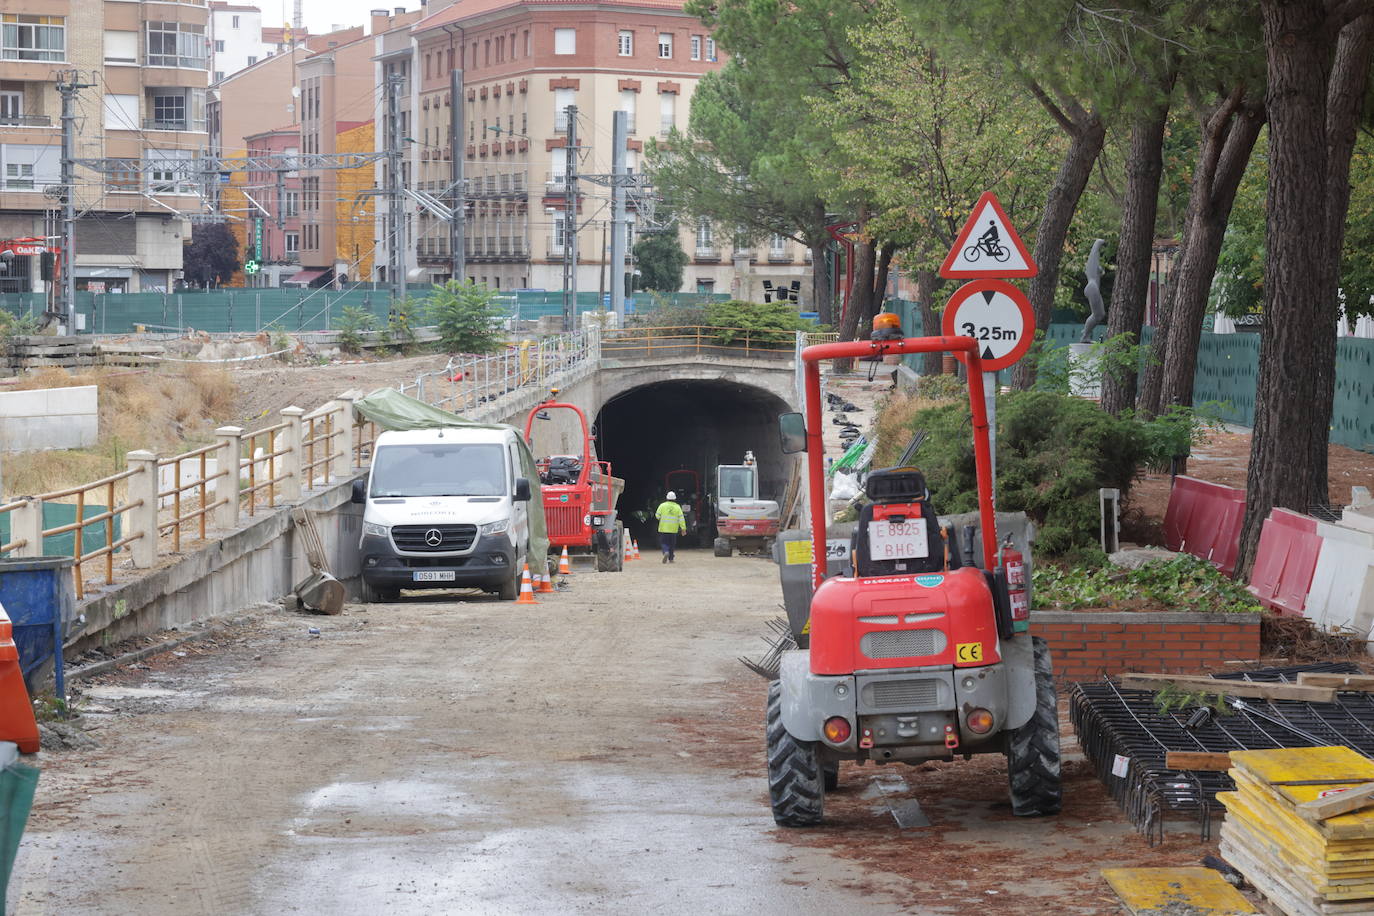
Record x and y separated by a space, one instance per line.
969 652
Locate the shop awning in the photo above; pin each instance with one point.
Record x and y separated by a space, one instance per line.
306 276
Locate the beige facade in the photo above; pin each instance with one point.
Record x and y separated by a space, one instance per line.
148 66
522 64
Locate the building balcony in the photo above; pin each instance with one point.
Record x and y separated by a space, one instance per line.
779 257
707 253
26 121
173 124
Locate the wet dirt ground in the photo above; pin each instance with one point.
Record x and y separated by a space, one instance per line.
600 752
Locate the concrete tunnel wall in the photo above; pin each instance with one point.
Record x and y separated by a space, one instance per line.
652 429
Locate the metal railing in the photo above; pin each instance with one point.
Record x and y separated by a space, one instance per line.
83 521
201 484
698 340
267 460
14 543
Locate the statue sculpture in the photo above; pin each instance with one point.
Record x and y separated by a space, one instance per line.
1094 292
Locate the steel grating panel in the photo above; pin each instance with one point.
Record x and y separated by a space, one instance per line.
1123 731
902 643
911 694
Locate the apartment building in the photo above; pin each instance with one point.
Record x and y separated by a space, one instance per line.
148 64
523 63
238 38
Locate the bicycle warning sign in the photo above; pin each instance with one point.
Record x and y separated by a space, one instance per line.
988 246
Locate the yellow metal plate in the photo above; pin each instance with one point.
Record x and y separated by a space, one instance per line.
1145 889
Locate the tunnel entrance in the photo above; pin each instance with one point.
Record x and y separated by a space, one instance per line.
687 425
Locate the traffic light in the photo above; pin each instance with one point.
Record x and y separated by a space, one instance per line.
47 260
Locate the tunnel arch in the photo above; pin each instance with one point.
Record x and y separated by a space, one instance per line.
650 429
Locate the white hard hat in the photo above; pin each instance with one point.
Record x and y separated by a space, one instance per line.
672 495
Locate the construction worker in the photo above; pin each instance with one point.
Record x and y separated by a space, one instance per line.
670 525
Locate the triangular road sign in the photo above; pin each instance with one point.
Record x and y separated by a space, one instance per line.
988 246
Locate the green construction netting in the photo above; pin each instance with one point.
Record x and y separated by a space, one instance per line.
17 784
391 410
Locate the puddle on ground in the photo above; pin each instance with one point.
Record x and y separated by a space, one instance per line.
127 693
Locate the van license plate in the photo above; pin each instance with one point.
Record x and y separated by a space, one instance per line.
433 575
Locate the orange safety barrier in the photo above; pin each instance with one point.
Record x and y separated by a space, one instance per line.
564 565
17 723
526 590
1204 519
1285 561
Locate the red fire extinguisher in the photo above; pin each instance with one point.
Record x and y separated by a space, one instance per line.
1015 566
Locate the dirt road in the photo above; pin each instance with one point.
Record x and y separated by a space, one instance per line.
598 753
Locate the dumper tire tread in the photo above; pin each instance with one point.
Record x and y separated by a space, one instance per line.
1033 762
722 547
796 782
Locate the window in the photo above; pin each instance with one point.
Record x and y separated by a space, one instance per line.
219 46
710 49
626 43
559 232
627 105
777 246
170 171
565 41
291 205
665 45
28 167
562 98
121 47
121 112
11 107
234 23
219 75
705 285
696 47
527 42
560 167
472 132
524 122
19 176
667 112
172 44
252 59
32 37
293 243
705 236
169 112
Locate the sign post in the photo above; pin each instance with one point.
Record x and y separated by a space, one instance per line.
990 310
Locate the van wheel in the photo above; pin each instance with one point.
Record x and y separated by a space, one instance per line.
510 588
371 594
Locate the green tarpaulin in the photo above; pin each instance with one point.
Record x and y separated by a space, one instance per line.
391 410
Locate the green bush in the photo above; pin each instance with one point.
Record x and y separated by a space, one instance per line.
466 317
770 323
1053 453
355 320
399 331
1184 583
942 388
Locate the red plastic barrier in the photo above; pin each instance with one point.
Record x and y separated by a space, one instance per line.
17 721
1284 563
1204 520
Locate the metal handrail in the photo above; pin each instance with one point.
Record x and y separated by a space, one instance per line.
82 522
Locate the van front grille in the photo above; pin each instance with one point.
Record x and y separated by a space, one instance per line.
433 538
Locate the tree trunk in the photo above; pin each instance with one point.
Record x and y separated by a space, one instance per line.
1126 314
880 277
1344 101
821 299
1228 138
1085 143
861 294
927 287
1298 281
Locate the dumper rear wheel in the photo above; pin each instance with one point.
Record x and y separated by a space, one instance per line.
1033 749
831 772
722 547
796 784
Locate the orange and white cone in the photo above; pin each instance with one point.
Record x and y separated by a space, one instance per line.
526 589
629 551
545 583
636 543
564 565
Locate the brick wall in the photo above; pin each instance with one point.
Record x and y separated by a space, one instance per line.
1085 646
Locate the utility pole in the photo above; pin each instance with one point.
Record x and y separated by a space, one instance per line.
570 225
395 191
619 133
68 85
457 227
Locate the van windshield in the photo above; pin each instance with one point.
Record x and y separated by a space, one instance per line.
439 469
737 483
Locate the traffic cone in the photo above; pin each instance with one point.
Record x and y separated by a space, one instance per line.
526 589
17 723
636 543
545 583
564 566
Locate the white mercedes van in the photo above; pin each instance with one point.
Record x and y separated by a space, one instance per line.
444 508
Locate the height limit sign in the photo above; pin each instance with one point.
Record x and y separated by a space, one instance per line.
995 314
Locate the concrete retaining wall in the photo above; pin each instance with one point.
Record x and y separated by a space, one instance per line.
44 418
